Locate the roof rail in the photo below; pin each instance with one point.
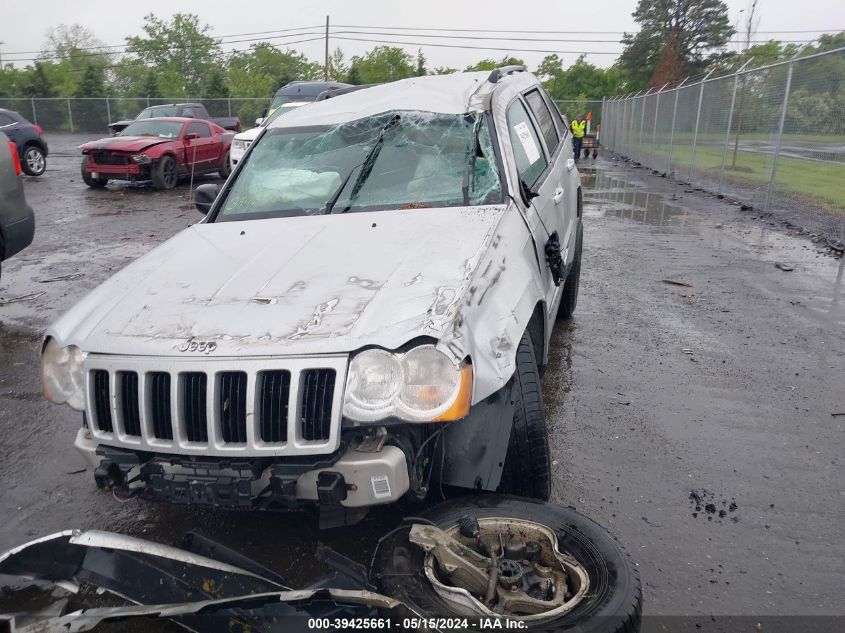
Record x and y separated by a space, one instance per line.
504 70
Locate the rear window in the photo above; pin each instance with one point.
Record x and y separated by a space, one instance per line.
527 150
544 119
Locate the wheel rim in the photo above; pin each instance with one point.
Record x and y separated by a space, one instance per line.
550 568
170 173
35 160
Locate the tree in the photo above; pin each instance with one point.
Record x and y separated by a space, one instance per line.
50 114
91 114
337 66
421 69
698 29
180 50
492 64
68 52
151 89
383 63
215 85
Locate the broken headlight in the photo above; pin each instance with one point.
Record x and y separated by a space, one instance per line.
420 385
62 376
141 159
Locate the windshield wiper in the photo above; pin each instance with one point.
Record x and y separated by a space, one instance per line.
366 166
470 165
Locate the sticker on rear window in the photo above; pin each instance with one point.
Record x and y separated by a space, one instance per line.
532 152
381 486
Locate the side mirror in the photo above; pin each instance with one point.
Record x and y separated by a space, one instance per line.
190 136
259 121
527 193
204 197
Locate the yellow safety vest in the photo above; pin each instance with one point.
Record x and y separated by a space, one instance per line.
578 129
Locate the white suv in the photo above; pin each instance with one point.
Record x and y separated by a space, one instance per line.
362 314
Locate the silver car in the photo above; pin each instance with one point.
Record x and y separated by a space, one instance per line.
17 221
363 314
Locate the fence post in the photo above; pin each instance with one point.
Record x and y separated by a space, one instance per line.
34 115
70 115
229 105
697 119
108 110
730 122
630 137
148 101
677 90
779 141
601 124
654 131
642 116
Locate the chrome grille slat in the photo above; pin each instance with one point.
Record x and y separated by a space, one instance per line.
208 406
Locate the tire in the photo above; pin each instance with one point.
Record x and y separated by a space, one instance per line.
612 604
225 167
165 173
88 179
34 161
526 471
573 280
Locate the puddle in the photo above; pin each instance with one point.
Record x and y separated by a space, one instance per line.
608 194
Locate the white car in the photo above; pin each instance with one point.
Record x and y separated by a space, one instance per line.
361 316
242 141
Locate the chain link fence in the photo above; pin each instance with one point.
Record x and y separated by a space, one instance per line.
771 137
93 114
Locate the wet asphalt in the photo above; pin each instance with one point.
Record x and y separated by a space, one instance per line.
702 424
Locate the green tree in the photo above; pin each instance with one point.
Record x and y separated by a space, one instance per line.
383 63
492 64
698 29
337 66
90 113
421 69
49 114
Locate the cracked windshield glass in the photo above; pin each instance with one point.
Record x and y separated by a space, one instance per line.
393 160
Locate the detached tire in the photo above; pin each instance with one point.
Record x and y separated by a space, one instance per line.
573 280
34 162
527 463
88 179
165 174
612 604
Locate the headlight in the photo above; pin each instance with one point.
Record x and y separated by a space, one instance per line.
62 376
141 159
421 385
238 145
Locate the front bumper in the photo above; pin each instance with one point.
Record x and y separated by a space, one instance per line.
351 478
119 172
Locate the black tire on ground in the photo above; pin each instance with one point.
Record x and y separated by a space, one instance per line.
569 300
595 153
34 162
88 179
165 173
225 167
612 604
526 471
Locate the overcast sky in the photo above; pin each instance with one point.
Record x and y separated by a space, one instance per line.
23 26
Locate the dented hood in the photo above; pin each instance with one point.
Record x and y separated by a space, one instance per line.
306 285
124 143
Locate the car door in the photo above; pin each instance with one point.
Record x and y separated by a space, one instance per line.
11 128
202 151
540 176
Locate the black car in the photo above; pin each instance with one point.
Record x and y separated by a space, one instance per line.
17 221
32 149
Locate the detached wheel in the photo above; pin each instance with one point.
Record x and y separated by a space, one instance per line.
526 469
573 280
88 179
165 174
225 167
34 161
555 569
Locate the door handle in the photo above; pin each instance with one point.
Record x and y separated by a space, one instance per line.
558 195
570 163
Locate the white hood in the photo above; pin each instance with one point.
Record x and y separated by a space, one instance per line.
306 285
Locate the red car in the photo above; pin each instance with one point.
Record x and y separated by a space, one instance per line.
161 150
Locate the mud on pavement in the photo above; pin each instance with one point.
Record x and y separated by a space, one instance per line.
661 398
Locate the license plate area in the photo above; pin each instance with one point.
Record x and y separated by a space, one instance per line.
212 490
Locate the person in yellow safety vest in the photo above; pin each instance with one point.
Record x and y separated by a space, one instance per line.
579 128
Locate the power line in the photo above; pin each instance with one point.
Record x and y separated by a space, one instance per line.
418 28
487 48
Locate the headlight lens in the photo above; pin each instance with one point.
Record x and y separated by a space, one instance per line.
62 376
141 159
239 145
421 385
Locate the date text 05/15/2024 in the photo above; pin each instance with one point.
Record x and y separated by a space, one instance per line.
460 624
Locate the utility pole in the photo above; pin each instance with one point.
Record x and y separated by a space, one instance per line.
326 64
1 56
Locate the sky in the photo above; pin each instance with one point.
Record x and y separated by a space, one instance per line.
23 28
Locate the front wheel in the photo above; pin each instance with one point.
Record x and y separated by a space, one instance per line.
165 174
88 179
225 166
573 279
556 570
34 161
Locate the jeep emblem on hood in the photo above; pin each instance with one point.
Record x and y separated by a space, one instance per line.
192 345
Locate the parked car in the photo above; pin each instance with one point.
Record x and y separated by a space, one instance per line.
17 221
299 91
160 150
186 110
31 147
362 315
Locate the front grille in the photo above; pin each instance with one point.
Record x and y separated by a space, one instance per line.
231 403
316 403
129 405
110 158
273 394
275 407
102 401
194 406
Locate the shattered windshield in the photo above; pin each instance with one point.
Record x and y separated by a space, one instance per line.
161 129
392 160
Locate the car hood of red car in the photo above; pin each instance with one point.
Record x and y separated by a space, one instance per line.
125 143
